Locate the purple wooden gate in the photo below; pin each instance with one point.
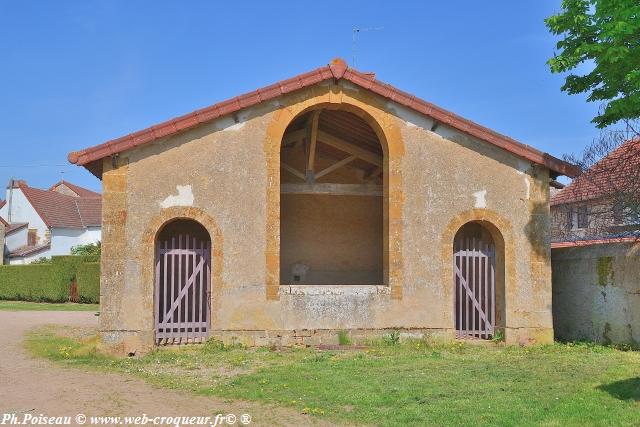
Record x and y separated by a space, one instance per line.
474 277
182 286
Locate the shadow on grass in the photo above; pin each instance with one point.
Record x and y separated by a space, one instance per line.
628 389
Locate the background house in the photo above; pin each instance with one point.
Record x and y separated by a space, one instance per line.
41 223
596 251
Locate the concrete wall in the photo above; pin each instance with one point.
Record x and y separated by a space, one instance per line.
226 175
339 239
596 293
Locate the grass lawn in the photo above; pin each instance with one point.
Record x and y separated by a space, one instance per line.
43 306
415 383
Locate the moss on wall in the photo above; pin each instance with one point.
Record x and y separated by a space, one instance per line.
604 267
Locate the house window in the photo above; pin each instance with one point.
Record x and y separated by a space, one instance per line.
32 237
583 217
569 219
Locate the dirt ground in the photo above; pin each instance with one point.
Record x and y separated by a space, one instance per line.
37 386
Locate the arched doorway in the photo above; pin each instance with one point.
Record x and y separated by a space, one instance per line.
182 282
332 221
477 271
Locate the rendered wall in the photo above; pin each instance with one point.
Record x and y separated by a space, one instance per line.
339 238
226 175
596 293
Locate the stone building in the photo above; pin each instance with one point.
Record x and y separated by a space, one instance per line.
328 201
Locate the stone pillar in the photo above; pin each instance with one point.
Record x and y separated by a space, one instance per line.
118 326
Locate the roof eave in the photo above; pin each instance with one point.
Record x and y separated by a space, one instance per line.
90 157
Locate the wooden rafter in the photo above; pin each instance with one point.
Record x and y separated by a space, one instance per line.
313 139
335 142
292 170
335 166
349 148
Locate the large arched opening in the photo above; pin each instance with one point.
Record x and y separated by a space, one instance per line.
182 282
332 201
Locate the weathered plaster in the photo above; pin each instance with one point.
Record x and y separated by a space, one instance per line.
234 176
596 293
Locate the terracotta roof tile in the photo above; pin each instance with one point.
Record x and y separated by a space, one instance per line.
617 171
29 250
80 191
590 242
60 210
337 70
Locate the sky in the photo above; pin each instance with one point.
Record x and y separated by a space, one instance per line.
74 74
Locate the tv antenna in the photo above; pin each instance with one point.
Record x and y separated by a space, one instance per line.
355 32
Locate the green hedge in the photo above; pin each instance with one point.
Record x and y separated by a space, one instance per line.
51 282
88 279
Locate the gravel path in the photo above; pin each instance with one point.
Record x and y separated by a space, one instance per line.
37 386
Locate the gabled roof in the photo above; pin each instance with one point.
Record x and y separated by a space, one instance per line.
80 191
3 222
617 171
2 203
61 210
336 70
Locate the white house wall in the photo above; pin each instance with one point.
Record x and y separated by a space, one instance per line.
23 211
63 239
16 239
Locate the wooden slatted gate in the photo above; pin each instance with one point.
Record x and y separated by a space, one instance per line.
182 287
474 276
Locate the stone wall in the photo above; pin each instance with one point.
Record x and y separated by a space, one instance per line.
596 293
226 175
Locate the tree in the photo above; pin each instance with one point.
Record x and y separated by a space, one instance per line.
604 34
88 249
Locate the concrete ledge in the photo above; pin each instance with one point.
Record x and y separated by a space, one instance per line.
334 290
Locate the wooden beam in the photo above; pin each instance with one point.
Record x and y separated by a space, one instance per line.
335 166
292 170
349 148
333 189
313 138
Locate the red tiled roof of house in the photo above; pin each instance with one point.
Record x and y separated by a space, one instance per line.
337 70
29 250
618 171
591 242
3 222
80 191
2 203
60 210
